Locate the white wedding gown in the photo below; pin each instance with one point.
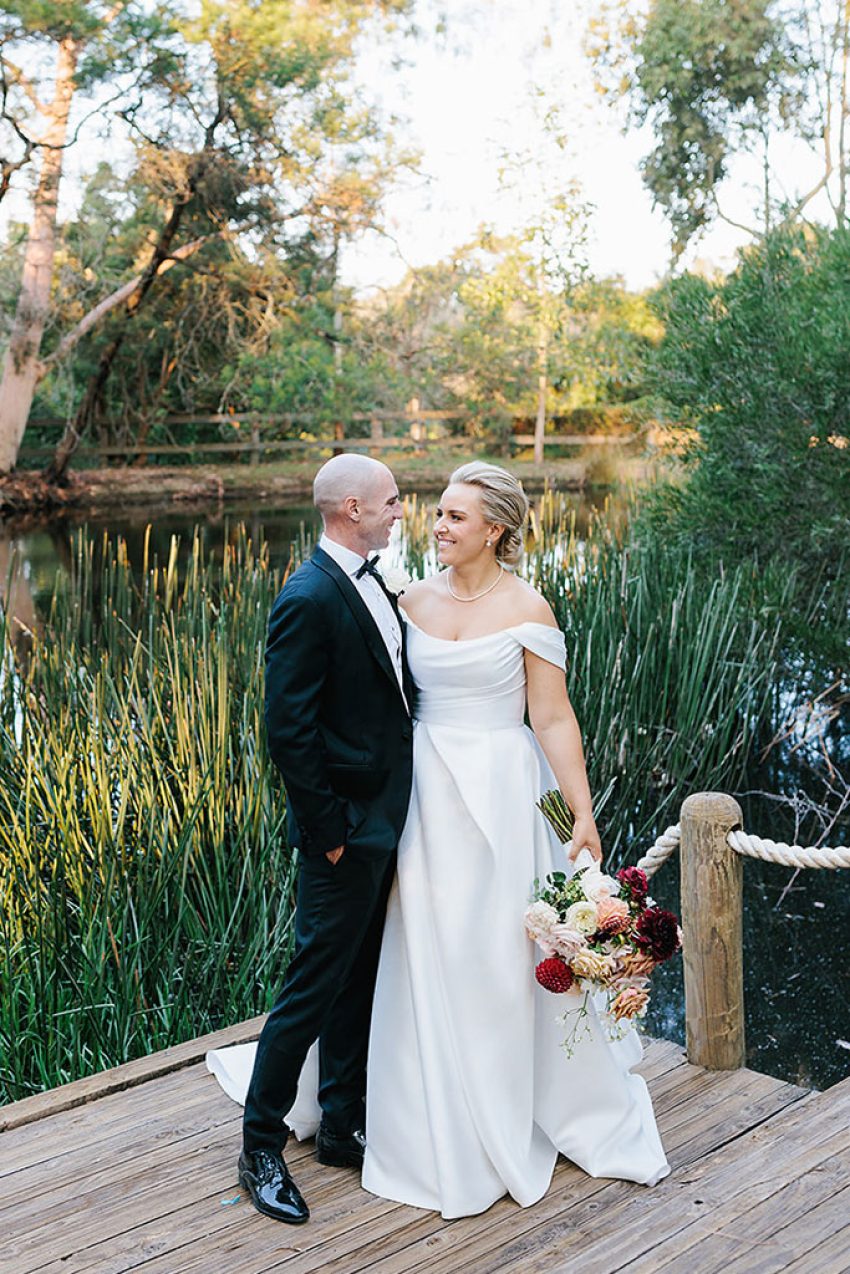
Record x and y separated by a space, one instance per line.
470 1094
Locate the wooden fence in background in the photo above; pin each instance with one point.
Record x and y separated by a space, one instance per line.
252 436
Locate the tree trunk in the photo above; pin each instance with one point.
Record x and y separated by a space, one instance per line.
158 263
85 414
841 211
21 364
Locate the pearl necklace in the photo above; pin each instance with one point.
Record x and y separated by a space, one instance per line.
475 596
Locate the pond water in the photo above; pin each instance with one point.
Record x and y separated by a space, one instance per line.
797 926
42 547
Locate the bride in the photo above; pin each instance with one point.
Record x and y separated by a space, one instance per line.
470 1094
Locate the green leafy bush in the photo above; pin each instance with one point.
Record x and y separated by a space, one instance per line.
755 367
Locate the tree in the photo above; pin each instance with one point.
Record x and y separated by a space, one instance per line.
755 366
90 43
552 240
716 79
191 325
241 125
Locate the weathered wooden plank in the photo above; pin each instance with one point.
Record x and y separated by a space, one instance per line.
201 1227
260 446
120 1078
135 1117
679 1088
423 1227
256 1246
717 1189
701 1102
176 1175
832 1254
147 1179
421 1242
660 1057
766 1238
62 1185
93 1195
730 1102
195 1179
485 1235
576 440
353 1246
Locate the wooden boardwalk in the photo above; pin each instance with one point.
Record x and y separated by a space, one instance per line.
135 1170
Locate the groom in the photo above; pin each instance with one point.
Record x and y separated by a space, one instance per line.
338 698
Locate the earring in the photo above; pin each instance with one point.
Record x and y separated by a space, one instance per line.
489 543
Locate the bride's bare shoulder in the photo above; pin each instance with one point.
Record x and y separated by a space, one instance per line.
417 595
530 607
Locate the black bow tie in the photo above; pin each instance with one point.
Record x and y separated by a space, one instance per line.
368 568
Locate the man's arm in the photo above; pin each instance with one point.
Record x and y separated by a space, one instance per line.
297 661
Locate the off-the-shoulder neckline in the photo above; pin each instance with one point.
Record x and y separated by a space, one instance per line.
497 632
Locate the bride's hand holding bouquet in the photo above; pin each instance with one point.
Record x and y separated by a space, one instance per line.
585 836
600 935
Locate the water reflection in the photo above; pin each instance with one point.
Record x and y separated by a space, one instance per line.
41 548
17 600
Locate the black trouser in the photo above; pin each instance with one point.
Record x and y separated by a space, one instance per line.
327 995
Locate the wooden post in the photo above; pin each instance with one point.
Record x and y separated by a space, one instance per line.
376 433
255 439
339 436
712 920
417 427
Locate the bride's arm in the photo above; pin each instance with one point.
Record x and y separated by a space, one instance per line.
556 728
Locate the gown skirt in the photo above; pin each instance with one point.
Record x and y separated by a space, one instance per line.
470 1093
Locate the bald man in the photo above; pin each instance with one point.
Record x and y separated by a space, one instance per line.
338 698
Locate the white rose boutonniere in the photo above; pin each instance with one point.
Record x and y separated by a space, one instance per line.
396 579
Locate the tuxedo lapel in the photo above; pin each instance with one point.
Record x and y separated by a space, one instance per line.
362 615
407 679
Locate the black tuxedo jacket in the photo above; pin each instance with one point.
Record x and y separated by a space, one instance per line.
338 727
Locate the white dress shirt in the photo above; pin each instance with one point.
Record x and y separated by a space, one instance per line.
376 600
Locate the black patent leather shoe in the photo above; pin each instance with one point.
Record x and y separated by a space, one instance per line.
340 1152
271 1189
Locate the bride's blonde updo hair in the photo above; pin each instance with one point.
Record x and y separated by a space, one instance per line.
502 500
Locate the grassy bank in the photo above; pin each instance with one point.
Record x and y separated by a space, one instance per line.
285 480
145 882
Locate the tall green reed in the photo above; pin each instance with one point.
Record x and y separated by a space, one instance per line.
145 881
671 674
146 887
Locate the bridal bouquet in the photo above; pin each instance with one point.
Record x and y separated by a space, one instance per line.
599 934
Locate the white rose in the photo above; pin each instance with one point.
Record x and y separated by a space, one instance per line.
597 885
396 579
540 920
566 941
582 917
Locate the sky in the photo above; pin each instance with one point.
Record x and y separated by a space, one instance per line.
474 93
469 89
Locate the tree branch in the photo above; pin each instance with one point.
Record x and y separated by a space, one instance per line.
23 81
109 303
807 198
739 225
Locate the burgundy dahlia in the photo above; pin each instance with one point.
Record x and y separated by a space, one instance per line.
634 883
658 933
554 975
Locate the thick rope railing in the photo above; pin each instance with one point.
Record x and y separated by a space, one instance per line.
666 844
788 855
768 851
